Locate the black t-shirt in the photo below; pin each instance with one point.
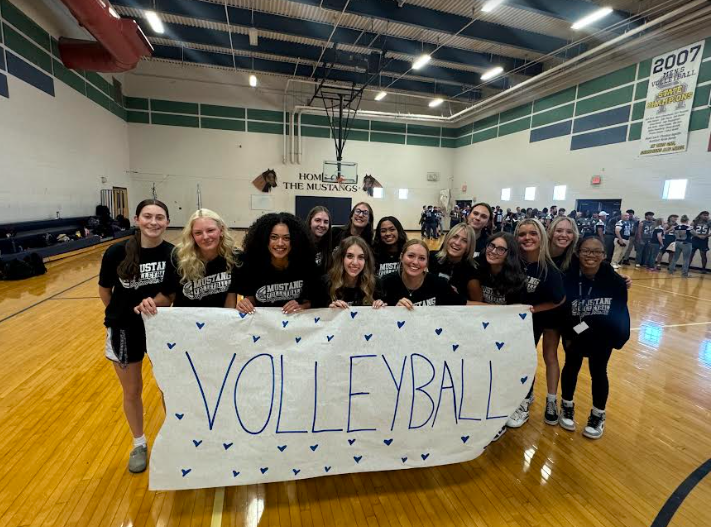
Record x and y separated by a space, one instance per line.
338 234
458 275
655 235
481 240
647 227
702 229
353 296
491 293
386 263
156 269
545 289
434 291
272 287
209 291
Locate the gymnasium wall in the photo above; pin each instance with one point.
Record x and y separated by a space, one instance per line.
592 129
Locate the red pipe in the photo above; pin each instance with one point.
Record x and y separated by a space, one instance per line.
119 45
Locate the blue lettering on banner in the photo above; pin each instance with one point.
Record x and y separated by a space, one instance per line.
210 418
313 424
398 387
442 387
461 400
281 400
351 394
271 401
488 401
420 389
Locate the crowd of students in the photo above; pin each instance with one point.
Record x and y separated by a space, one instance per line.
575 296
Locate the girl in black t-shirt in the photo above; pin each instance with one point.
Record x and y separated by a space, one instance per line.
481 220
351 280
413 285
500 279
455 261
390 238
318 223
132 273
279 268
360 223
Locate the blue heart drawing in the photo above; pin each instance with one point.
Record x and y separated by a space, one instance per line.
524 379
179 416
185 471
296 471
255 338
313 448
351 441
485 324
327 468
197 443
368 337
264 470
242 315
425 456
297 339
316 320
171 345
387 441
353 314
284 323
200 325
523 315
400 324
403 459
455 347
227 445
499 345
357 458
438 331
329 337
235 473
282 448
465 439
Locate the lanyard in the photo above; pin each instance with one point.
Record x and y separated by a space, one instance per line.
583 301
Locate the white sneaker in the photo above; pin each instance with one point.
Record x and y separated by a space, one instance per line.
567 416
521 415
596 424
615 266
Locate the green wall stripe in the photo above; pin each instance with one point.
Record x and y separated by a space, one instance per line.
638 111
159 105
702 95
101 83
317 120
23 23
265 115
98 97
137 117
556 99
136 103
644 69
264 128
515 126
604 101
27 49
222 124
167 119
700 119
378 137
551 116
417 140
463 141
384 126
486 123
222 111
705 72
313 131
484 136
360 124
69 78
418 129
449 143
464 130
450 132
707 48
611 80
55 47
640 90
515 113
358 135
635 132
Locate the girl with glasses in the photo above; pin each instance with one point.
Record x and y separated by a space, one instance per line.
455 261
390 238
351 281
360 223
598 321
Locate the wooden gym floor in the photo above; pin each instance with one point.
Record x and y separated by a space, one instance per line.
64 442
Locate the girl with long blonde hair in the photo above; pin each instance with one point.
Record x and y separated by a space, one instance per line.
352 279
455 261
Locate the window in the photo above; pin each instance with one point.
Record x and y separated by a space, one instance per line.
402 193
674 189
530 194
559 193
378 193
505 194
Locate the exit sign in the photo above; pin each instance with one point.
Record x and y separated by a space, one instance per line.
596 180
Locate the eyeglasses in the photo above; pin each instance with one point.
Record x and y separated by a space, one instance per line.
592 252
361 212
496 249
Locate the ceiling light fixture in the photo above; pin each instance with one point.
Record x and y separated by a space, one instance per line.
154 21
491 5
421 61
253 36
591 18
493 72
253 81
436 102
381 95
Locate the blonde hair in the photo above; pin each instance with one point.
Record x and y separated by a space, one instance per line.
544 255
568 254
366 279
471 244
189 265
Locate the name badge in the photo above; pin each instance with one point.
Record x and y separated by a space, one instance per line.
580 328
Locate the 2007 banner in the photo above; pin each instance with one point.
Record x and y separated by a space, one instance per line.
269 397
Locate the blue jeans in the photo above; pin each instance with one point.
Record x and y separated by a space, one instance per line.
685 250
652 253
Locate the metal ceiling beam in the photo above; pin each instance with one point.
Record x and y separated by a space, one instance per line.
573 10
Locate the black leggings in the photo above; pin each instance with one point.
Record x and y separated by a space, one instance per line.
537 332
597 362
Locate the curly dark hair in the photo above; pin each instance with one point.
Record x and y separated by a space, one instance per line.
379 248
512 277
256 242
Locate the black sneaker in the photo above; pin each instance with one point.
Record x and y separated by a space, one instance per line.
551 415
567 418
595 426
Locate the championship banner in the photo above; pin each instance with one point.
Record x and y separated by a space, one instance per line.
270 397
670 97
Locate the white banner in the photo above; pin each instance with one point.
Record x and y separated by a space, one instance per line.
672 85
268 397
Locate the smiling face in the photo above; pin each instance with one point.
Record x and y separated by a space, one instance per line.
528 238
591 254
206 234
388 233
457 245
354 261
319 224
479 218
563 235
496 251
414 261
279 242
361 215
152 221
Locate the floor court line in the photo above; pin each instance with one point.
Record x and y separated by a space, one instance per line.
673 293
677 325
217 506
682 491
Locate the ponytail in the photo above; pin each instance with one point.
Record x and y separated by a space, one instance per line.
129 268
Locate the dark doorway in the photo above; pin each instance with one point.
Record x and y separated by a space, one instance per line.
340 208
597 205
